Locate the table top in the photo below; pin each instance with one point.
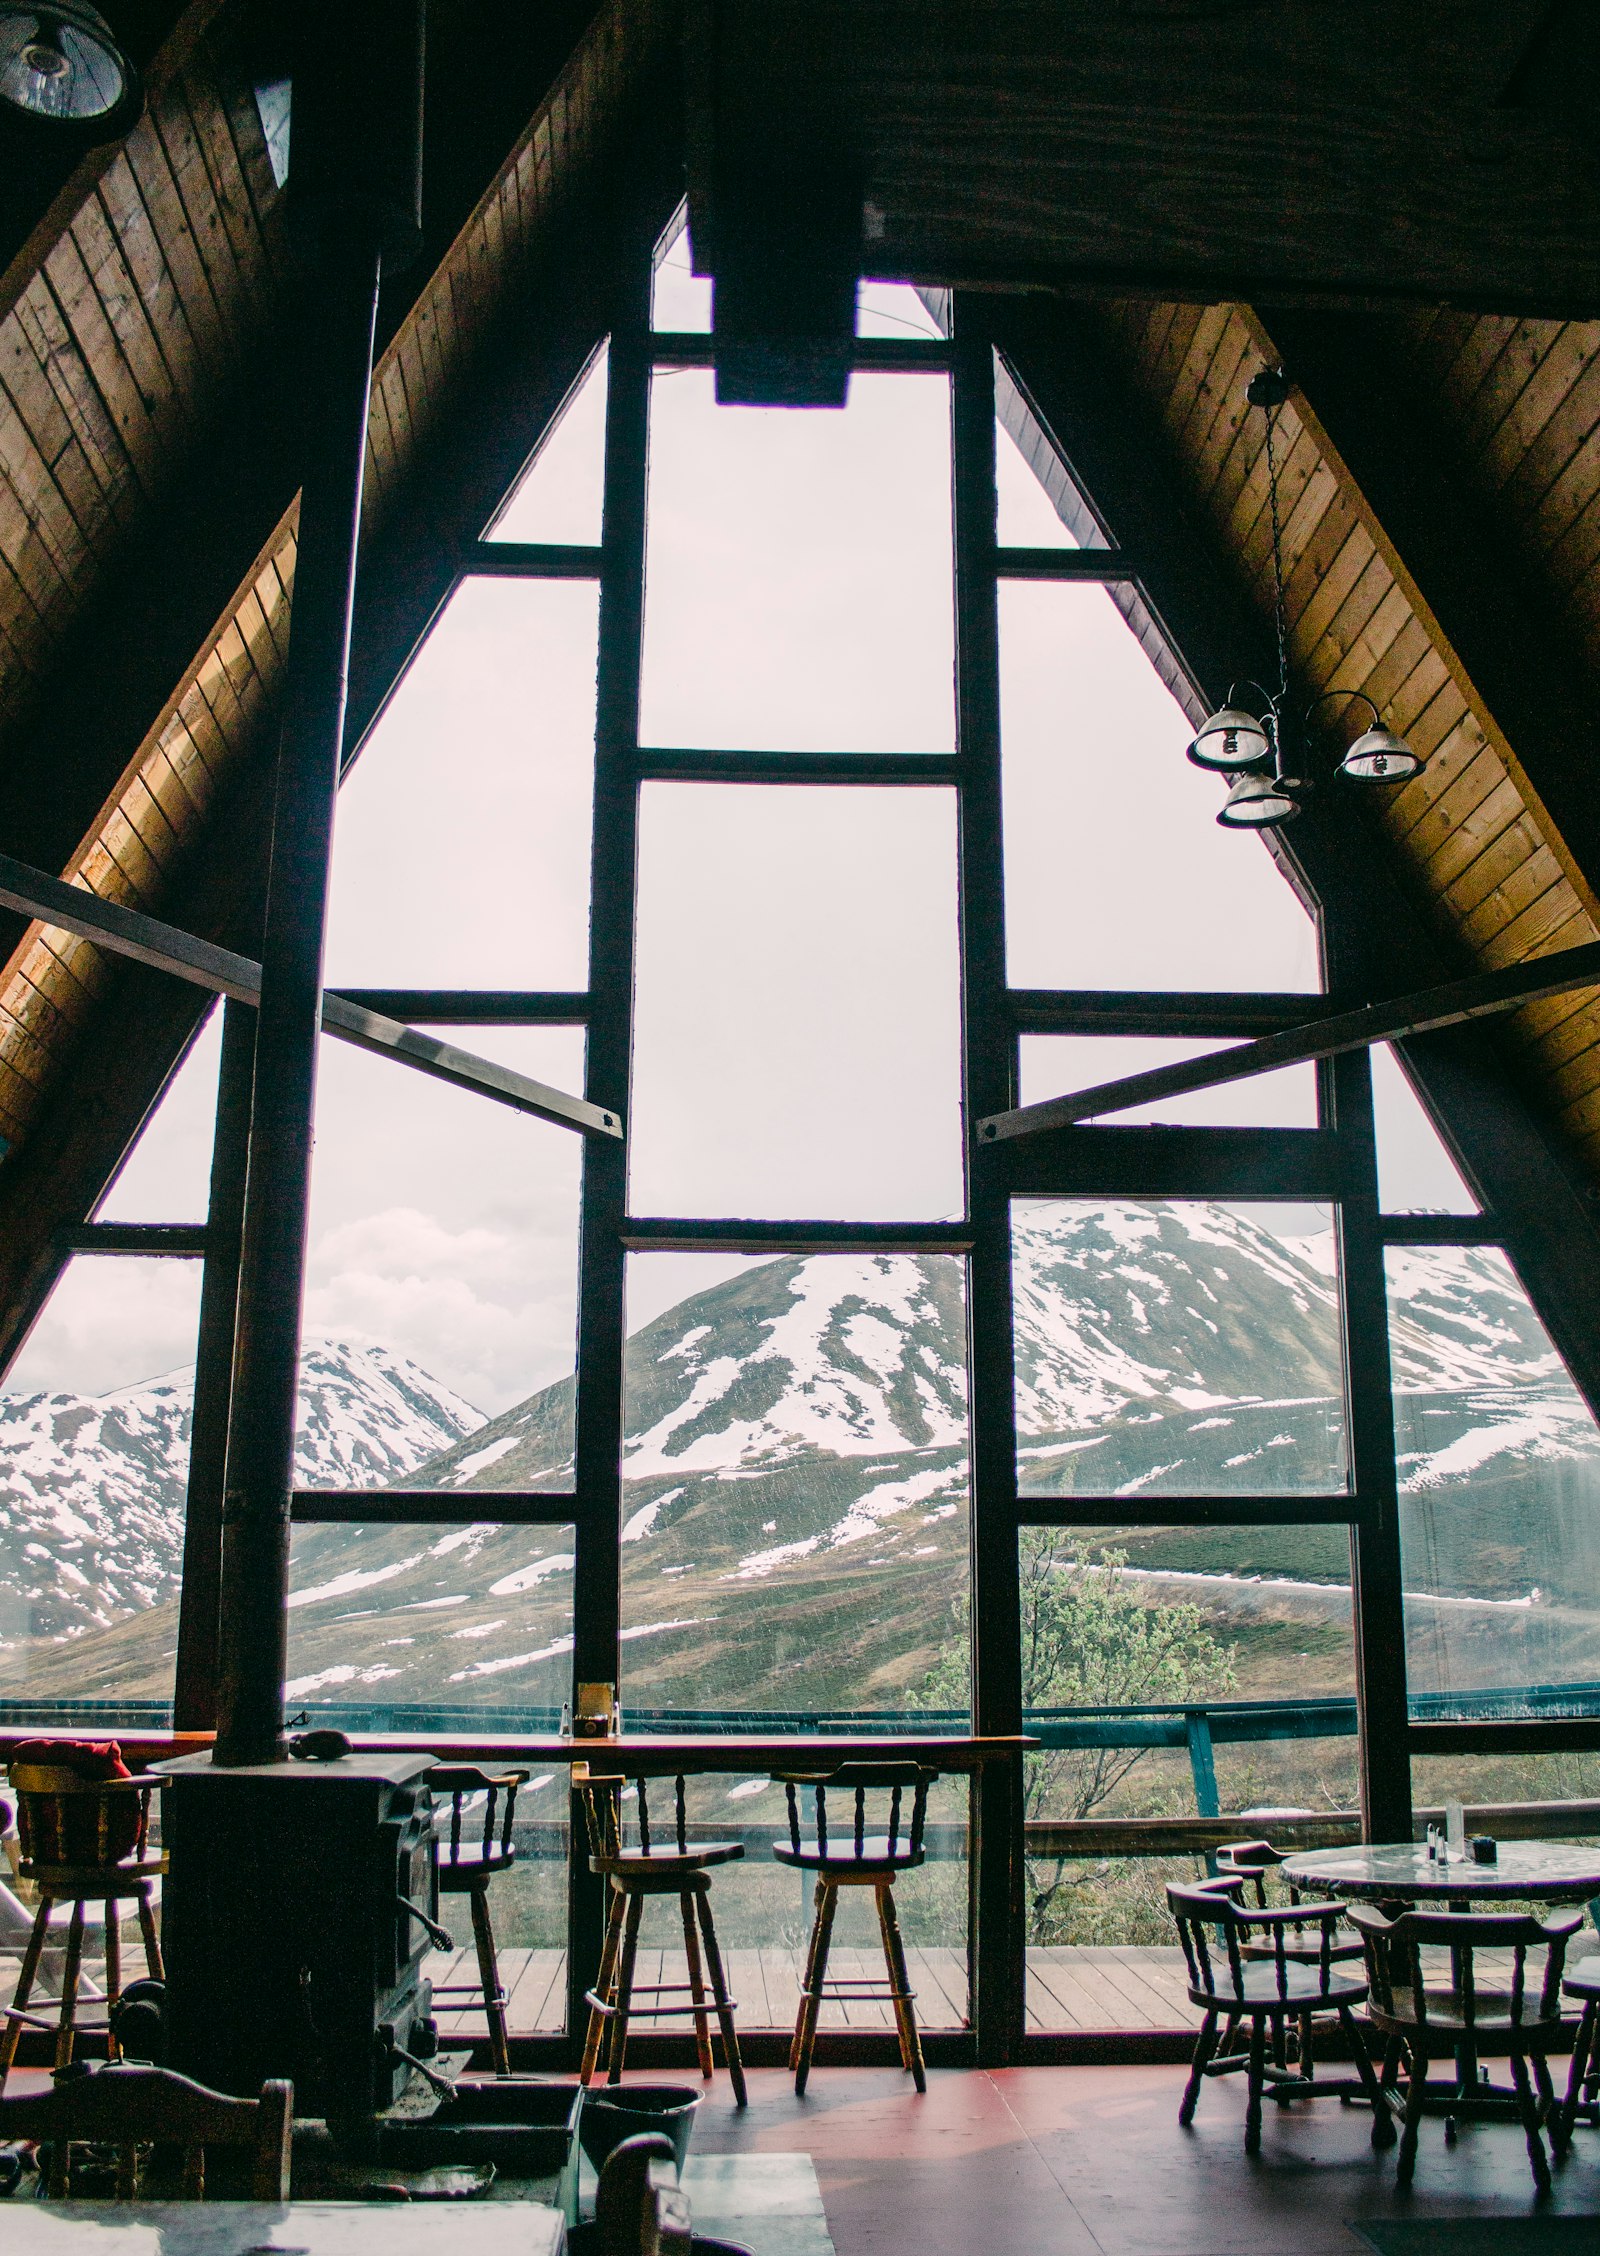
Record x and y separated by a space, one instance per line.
641 1752
257 2228
1548 1871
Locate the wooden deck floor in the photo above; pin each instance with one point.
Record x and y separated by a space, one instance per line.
1071 1988
1067 1988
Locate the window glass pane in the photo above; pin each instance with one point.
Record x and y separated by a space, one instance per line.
1176 1345
1026 516
1416 1175
560 495
442 1629
681 299
1053 1065
432 1628
94 1462
799 592
441 1282
1485 1783
795 1472
167 1175
795 1549
796 1044
1499 1465
892 309
461 849
1116 872
1172 1672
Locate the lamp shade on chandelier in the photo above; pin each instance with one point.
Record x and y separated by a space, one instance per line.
1255 747
63 65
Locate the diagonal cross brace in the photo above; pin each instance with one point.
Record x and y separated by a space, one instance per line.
1480 996
129 932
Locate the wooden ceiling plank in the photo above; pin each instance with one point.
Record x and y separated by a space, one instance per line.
241 120
1554 920
50 472
151 171
1561 1037
1522 430
1320 589
35 527
104 365
1470 863
1572 1079
1504 384
1462 771
1525 890
1409 645
230 193
1536 492
181 147
1343 654
1174 347
177 785
127 219
150 820
93 426
144 378
1203 376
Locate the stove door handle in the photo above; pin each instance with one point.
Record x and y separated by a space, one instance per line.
442 1937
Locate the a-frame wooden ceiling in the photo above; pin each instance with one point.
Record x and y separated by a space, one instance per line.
1442 490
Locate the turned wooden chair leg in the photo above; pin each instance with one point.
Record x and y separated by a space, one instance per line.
1383 2133
604 1986
494 1998
720 1997
1565 2119
1258 2077
12 2035
113 1941
1416 2093
805 2032
624 1989
154 1965
697 1985
1528 2107
66 2027
1204 2046
905 2012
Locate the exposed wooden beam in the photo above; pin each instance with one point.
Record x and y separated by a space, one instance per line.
1484 995
184 1238
164 947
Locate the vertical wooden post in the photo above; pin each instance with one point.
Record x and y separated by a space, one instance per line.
1379 1607
255 1536
988 1077
194 1704
602 1321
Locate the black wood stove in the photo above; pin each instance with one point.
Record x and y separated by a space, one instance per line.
297 1914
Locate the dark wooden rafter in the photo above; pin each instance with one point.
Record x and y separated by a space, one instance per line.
1191 598
1484 994
165 947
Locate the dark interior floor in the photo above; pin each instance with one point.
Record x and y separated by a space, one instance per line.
1091 2162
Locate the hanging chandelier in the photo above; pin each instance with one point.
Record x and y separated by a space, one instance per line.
1261 749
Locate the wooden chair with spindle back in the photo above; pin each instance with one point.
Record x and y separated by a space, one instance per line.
1254 1864
129 2106
853 1855
473 1831
1233 1987
84 1840
1468 2017
673 1865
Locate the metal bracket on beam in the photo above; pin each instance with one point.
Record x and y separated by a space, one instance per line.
1481 996
165 947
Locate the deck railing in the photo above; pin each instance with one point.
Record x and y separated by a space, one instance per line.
1198 1730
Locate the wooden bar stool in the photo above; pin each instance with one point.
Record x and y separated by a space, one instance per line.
854 1857
84 1841
674 1867
469 1858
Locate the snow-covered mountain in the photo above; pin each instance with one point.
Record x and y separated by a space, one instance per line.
92 1487
795 1474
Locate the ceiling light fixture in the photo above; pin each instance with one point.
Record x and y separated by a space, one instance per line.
1256 748
63 64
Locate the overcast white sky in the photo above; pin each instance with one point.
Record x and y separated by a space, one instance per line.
797 997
